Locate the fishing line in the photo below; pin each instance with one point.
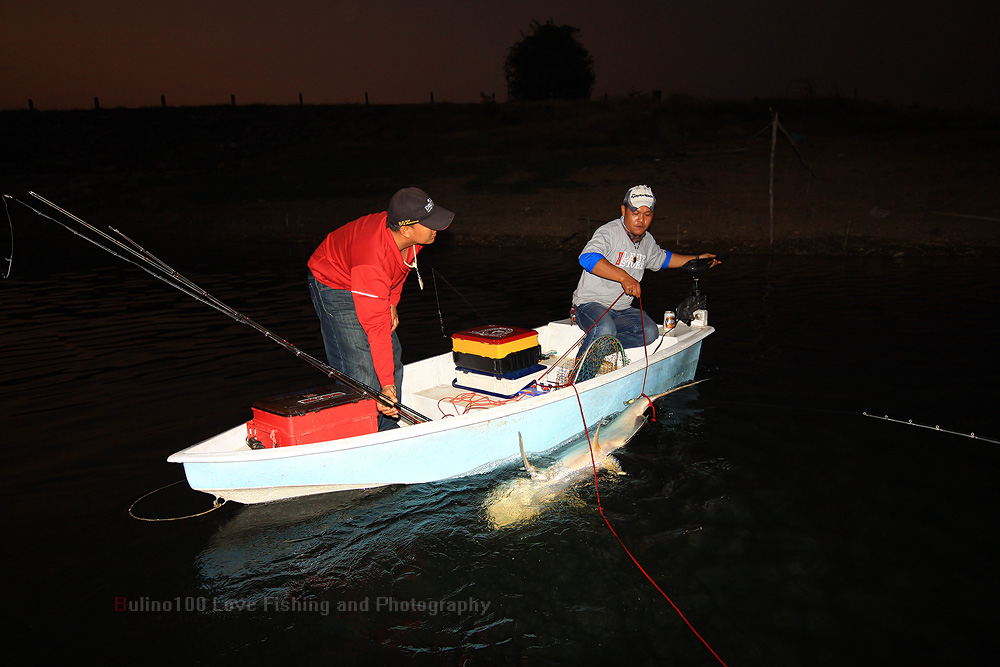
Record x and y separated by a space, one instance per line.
437 300
435 272
932 428
775 406
160 277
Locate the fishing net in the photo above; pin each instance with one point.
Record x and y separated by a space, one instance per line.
603 356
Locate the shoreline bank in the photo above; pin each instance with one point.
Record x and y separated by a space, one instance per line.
846 178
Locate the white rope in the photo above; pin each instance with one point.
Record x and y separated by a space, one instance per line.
420 281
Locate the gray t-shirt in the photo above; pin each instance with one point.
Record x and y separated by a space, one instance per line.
612 242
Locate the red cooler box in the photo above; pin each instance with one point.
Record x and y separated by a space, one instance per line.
329 413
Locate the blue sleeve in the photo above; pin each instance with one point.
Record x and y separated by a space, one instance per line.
667 260
589 260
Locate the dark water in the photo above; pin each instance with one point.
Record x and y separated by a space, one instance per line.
786 526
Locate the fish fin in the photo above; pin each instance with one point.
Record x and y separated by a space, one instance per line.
642 421
596 442
524 457
679 387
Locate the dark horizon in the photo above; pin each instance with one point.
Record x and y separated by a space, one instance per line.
654 96
61 55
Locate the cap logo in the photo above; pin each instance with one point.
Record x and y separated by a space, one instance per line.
429 206
640 195
411 206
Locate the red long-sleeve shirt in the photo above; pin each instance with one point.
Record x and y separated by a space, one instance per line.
363 257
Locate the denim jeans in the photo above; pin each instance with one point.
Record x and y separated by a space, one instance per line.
346 343
622 324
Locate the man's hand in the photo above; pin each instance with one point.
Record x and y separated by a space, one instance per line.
390 391
393 318
607 270
630 285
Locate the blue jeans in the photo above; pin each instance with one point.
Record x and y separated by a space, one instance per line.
346 343
628 326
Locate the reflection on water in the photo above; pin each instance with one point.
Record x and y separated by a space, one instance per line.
787 527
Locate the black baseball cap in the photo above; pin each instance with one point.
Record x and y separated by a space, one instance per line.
412 205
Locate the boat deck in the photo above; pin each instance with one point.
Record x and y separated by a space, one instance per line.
439 398
447 400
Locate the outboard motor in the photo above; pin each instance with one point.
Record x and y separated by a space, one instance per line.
696 300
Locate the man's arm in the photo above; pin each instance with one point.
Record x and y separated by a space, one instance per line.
607 270
677 261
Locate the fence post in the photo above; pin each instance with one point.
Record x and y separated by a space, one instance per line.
770 189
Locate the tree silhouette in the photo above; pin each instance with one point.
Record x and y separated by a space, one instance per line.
550 63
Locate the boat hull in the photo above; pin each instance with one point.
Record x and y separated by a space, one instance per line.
443 448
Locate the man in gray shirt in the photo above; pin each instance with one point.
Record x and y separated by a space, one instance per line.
614 260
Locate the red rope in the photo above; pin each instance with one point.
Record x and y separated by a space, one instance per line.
600 507
645 372
573 346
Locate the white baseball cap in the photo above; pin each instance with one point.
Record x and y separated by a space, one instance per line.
640 195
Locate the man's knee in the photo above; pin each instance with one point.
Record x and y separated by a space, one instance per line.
652 331
604 326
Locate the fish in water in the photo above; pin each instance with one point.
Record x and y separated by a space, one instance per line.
523 498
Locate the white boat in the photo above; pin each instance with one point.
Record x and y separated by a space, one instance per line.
460 439
466 438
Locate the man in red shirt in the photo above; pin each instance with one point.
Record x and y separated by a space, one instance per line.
356 277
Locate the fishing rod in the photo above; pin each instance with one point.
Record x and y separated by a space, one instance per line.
9 260
172 277
910 422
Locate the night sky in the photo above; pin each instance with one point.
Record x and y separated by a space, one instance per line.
63 53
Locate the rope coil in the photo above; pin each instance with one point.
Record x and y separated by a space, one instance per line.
216 504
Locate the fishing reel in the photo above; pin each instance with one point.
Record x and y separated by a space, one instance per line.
696 300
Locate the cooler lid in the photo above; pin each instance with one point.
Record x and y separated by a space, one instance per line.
313 400
492 334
